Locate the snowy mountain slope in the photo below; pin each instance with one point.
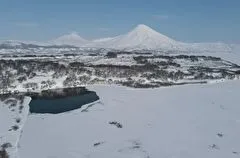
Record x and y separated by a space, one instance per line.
142 37
70 39
202 122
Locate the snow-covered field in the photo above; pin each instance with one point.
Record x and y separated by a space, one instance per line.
13 115
190 121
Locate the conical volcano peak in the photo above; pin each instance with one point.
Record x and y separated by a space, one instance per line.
141 37
144 31
72 36
144 34
143 28
70 39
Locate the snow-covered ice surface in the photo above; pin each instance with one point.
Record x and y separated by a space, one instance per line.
190 121
13 114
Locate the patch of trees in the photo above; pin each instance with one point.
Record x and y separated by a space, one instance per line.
164 75
69 55
47 84
22 78
111 55
193 58
31 86
76 64
59 93
71 81
3 153
135 84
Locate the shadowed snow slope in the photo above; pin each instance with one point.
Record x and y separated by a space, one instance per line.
202 122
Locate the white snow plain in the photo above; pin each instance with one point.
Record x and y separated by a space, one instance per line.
190 121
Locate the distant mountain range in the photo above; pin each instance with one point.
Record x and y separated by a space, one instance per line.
140 38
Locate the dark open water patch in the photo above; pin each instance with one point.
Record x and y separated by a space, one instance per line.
61 100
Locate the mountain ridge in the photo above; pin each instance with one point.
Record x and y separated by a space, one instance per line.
142 37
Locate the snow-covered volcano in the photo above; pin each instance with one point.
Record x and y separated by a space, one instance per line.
70 39
144 37
141 37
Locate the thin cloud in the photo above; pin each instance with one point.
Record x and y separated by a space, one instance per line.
26 24
160 17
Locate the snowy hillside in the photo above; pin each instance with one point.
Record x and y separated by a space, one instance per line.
202 122
71 39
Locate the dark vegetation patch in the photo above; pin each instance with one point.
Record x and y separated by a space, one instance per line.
97 144
236 153
15 127
214 146
117 124
3 153
6 145
11 99
220 135
136 145
111 55
21 107
18 120
58 93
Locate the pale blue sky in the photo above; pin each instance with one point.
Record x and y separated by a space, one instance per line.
184 20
